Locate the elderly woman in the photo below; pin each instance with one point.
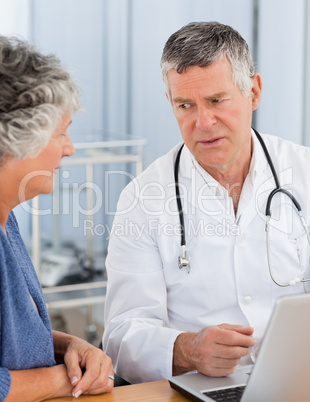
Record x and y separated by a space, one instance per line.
37 97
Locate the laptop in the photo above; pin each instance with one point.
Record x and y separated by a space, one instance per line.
281 372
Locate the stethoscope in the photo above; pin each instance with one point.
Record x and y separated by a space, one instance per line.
184 259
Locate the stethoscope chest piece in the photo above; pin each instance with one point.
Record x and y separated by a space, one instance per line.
184 260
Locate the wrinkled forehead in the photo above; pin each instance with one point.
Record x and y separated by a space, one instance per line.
216 78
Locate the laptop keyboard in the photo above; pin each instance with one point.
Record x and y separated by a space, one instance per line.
226 395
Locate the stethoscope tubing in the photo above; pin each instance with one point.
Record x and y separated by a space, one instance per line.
278 188
178 197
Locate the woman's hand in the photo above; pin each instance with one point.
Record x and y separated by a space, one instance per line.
88 368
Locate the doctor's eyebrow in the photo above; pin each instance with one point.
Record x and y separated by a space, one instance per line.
179 99
218 95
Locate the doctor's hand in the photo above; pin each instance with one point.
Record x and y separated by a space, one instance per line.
88 368
214 351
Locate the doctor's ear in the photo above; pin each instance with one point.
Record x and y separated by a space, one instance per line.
256 91
167 96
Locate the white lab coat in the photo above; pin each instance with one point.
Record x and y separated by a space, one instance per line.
150 301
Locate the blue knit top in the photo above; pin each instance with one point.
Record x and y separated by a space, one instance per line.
25 333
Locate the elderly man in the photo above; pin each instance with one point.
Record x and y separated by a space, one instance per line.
201 208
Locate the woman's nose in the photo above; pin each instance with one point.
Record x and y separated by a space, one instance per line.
69 149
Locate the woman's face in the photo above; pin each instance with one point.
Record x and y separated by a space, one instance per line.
36 175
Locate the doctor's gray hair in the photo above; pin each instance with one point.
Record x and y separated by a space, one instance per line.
203 43
35 92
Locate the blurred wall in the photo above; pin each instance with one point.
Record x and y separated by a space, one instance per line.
114 48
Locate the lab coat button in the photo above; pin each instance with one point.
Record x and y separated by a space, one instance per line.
247 300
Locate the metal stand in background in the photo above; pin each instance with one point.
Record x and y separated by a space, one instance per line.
74 296
86 294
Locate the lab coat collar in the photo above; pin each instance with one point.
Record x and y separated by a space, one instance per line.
259 162
251 201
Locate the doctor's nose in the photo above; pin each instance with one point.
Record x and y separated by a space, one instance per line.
205 119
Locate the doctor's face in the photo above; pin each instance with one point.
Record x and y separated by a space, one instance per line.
213 115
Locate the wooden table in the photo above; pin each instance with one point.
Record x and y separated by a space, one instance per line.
158 391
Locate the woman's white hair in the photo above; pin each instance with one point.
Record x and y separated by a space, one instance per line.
35 92
203 43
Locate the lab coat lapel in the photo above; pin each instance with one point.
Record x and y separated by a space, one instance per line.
256 203
253 198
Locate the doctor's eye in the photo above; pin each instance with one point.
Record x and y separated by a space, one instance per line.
217 100
184 106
